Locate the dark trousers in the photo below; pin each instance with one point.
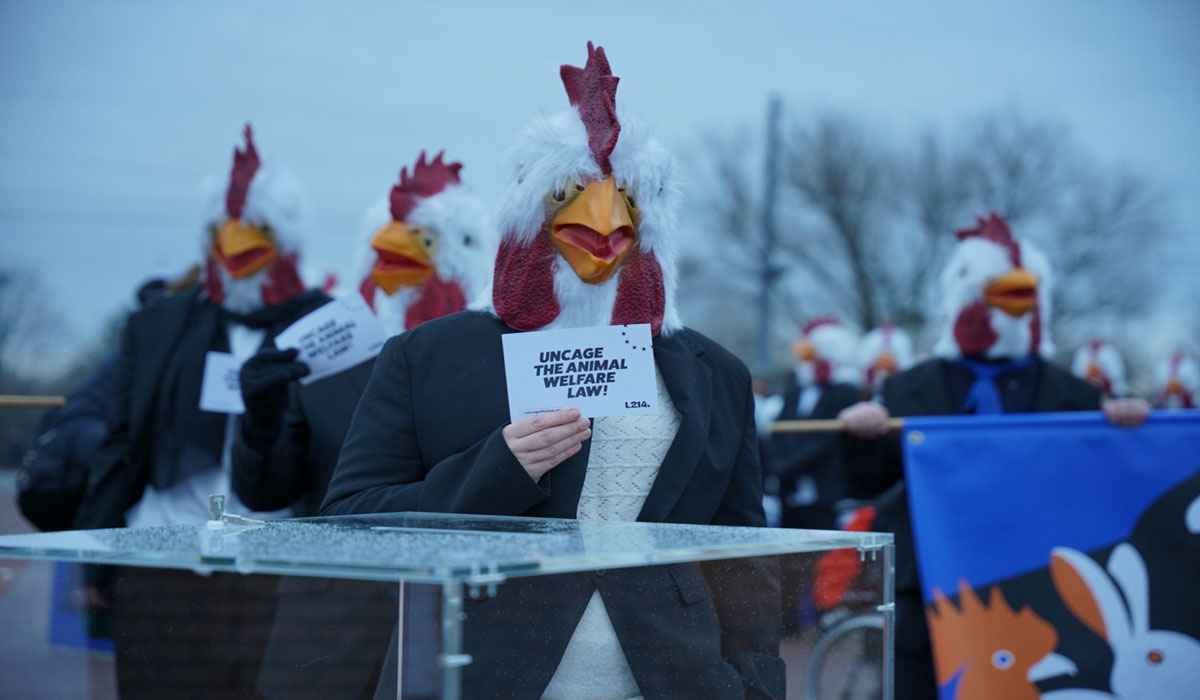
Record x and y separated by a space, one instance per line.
915 679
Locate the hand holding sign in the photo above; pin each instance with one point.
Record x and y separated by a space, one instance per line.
542 442
264 380
335 337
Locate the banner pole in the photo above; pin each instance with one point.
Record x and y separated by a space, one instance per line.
823 426
17 401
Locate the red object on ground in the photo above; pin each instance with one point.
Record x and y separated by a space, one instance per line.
837 570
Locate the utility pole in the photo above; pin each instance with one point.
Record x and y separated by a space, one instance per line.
767 270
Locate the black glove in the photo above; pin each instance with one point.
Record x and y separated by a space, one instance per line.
265 379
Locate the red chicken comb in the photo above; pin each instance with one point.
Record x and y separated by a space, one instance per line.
818 321
994 229
427 180
593 91
245 165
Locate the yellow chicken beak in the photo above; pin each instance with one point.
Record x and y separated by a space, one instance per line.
804 351
595 232
402 259
243 249
1014 293
885 363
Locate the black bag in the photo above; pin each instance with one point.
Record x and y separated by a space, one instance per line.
53 477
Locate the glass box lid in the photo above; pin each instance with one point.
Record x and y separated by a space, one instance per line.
422 547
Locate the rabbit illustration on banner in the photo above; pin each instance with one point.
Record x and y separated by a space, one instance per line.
1147 663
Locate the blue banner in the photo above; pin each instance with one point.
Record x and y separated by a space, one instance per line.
1059 555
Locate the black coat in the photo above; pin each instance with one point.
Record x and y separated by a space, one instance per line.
876 468
121 468
296 469
427 437
811 454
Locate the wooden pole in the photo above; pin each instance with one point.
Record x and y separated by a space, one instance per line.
16 401
822 426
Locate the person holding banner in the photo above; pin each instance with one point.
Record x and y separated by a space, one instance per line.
994 337
588 226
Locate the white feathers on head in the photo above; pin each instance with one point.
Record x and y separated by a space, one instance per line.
466 236
275 198
974 262
552 152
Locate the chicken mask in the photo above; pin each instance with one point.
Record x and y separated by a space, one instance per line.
824 353
430 244
1100 364
883 352
588 217
995 294
254 218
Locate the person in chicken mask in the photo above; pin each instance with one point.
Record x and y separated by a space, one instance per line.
426 251
164 454
588 225
995 313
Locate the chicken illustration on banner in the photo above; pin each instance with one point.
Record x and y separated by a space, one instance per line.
1071 551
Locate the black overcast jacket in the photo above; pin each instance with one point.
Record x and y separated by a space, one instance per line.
426 437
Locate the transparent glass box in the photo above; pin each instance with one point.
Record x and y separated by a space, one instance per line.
417 605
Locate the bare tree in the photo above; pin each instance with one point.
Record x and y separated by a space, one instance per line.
844 185
27 326
863 230
1098 239
1017 166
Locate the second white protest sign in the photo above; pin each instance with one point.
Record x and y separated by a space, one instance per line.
335 337
602 371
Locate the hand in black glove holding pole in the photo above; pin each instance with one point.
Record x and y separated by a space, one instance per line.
265 379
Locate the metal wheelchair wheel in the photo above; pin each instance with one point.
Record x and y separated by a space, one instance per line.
845 662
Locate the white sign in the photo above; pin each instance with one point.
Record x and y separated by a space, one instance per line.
602 371
221 392
335 337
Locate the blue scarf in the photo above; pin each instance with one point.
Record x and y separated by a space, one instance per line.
984 397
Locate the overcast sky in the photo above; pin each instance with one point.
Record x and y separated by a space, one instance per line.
113 112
